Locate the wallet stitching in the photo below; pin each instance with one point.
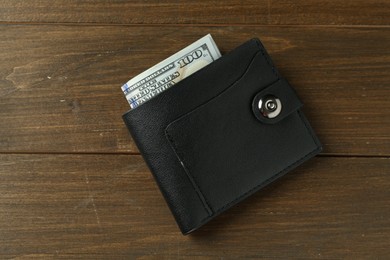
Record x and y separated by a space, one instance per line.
220 93
266 58
310 131
264 183
276 176
203 199
281 172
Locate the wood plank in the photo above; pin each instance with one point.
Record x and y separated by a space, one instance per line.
264 12
108 206
60 85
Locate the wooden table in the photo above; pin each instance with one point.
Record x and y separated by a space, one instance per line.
72 182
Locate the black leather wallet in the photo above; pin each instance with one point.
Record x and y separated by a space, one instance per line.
222 134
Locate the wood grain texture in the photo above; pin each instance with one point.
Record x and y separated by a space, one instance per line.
72 183
264 12
108 206
60 85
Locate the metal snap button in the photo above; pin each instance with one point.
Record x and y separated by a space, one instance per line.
270 106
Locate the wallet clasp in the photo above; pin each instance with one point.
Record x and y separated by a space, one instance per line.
275 102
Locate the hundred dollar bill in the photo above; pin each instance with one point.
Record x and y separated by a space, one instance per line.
165 74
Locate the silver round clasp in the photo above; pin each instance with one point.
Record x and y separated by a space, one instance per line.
270 106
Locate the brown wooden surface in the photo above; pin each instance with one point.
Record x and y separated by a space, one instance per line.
73 184
60 83
270 12
109 205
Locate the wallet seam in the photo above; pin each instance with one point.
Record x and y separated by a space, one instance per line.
310 131
262 50
205 203
268 181
281 172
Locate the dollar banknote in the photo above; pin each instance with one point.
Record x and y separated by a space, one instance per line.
168 72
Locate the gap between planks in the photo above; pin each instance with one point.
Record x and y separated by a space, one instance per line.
139 154
2 23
